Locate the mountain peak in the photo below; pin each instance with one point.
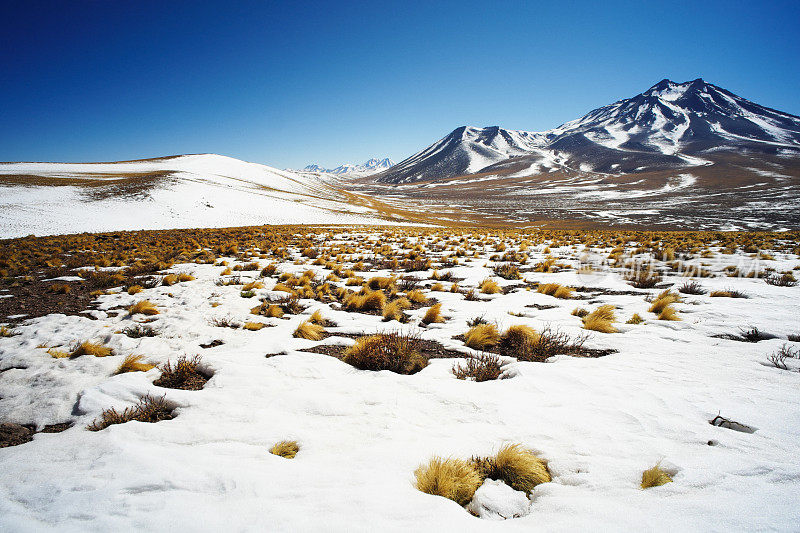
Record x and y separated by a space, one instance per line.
371 166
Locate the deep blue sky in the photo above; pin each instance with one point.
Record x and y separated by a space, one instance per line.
292 83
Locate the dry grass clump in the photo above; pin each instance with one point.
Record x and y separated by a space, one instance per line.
482 336
253 326
286 448
507 271
90 348
643 277
433 315
133 363
655 477
185 277
369 300
727 293
252 286
601 319
663 300
517 467
380 283
135 289
268 310
579 312
455 479
483 367
669 313
309 330
556 289
148 409
489 286
635 319
386 351
143 307
62 288
394 310
58 354
184 374
416 296
515 338
7 332
169 280
317 318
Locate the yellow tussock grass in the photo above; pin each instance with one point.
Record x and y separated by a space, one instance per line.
655 477
433 315
253 326
91 348
286 448
143 307
482 336
454 479
133 363
307 330
489 286
601 319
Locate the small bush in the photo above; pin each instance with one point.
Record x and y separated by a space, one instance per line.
507 271
601 319
454 479
143 307
90 348
547 343
691 287
184 374
483 367
482 337
778 359
643 278
133 363
309 330
655 477
148 409
784 280
475 321
286 448
433 315
579 312
386 351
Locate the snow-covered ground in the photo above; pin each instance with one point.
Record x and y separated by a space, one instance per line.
599 422
203 190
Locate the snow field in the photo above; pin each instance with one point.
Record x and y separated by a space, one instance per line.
599 422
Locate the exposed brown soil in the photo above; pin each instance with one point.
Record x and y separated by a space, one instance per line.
12 434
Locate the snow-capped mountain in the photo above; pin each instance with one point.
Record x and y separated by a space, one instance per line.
372 166
670 125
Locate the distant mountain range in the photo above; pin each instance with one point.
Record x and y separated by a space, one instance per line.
372 166
669 126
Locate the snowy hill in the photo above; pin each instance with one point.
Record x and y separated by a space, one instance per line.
670 125
372 166
204 190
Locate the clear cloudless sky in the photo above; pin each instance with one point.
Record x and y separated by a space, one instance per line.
291 83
